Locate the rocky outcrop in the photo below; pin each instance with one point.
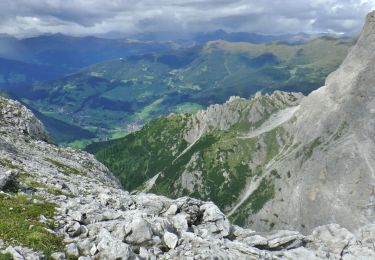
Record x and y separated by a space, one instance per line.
99 220
236 110
15 117
8 181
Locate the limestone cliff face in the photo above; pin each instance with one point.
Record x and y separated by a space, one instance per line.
68 205
332 163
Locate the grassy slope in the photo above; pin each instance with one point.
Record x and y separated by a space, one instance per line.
20 213
19 223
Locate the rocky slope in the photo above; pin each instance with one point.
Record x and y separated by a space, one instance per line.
59 203
272 162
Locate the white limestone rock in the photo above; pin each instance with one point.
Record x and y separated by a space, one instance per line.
170 239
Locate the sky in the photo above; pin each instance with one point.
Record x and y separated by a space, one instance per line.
90 17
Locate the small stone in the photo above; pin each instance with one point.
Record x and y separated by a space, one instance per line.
93 250
43 219
172 210
282 238
256 240
84 246
16 255
334 237
180 223
143 253
170 239
58 256
73 229
72 250
84 258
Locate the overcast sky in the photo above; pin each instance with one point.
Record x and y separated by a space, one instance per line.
30 17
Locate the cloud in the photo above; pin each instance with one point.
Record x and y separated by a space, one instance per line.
25 17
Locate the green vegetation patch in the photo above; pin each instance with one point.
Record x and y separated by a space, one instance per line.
6 256
19 223
222 161
264 193
8 164
143 154
272 144
30 182
65 169
308 150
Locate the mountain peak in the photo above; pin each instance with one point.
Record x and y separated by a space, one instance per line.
355 75
369 27
349 91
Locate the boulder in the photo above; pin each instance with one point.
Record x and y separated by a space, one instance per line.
138 232
111 248
8 181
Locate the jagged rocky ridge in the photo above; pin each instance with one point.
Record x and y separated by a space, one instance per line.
97 219
273 162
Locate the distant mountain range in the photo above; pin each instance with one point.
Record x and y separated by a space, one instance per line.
200 38
71 53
